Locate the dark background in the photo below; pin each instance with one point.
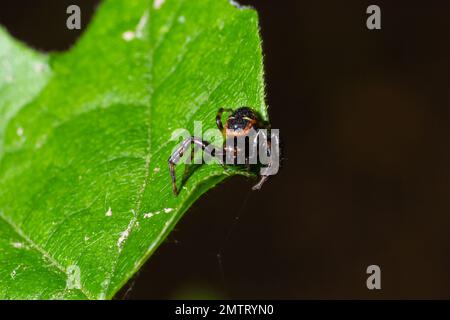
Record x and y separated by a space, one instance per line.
365 120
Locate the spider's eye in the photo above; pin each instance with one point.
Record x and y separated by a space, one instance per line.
237 124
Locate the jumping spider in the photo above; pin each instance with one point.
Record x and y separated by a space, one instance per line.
239 124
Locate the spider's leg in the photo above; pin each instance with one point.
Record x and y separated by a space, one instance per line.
178 154
219 117
172 175
260 183
263 178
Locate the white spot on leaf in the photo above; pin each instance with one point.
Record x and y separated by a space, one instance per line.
158 3
168 210
128 35
17 245
105 285
109 212
141 25
14 272
73 280
19 131
124 235
139 31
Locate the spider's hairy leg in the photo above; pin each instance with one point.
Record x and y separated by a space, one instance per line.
178 154
263 177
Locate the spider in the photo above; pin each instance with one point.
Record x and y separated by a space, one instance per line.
239 124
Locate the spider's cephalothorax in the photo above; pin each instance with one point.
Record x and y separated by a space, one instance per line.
239 123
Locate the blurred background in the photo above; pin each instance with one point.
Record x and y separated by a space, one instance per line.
365 119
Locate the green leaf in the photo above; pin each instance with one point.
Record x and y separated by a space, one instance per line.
85 193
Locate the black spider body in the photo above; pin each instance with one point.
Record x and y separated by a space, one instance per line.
241 121
239 124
